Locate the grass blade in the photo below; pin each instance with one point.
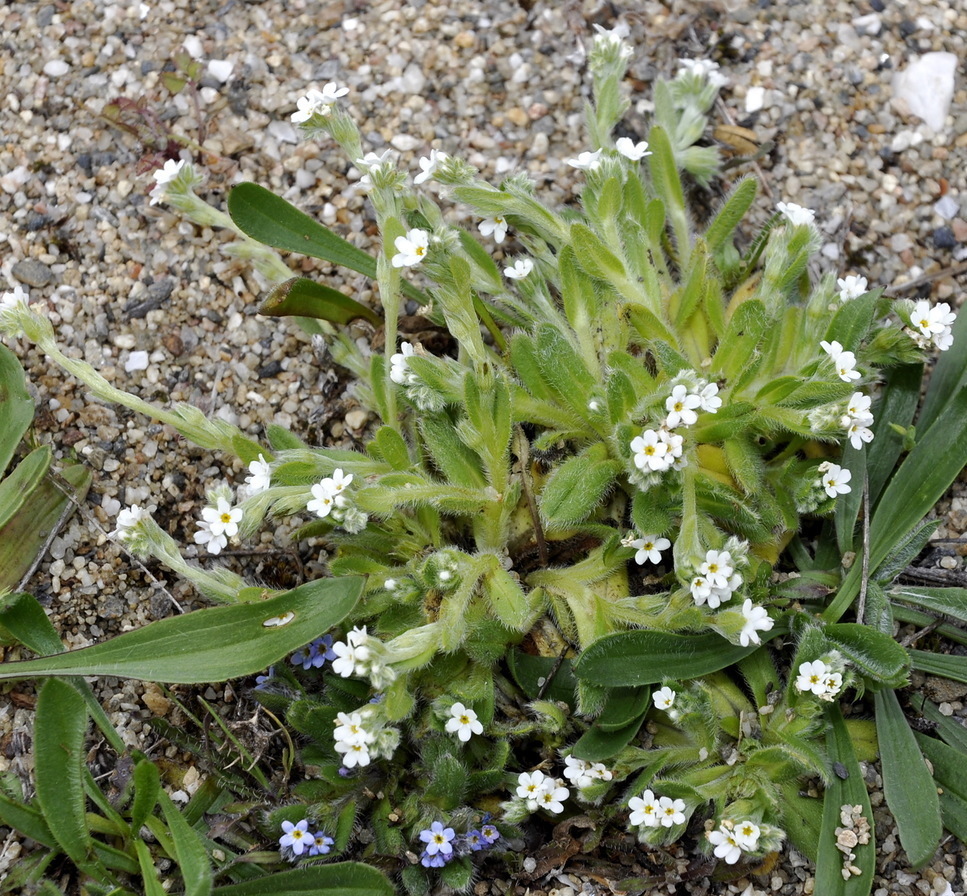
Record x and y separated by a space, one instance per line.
16 405
344 878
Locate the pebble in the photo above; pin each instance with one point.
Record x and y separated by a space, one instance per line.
926 86
136 361
33 273
56 68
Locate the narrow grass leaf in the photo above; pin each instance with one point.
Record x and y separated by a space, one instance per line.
942 601
147 786
189 849
16 405
944 665
59 756
897 404
15 488
908 785
149 873
208 645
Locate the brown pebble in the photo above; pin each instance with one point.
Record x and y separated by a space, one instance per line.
517 116
173 343
465 39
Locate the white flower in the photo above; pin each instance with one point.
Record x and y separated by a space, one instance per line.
644 810
796 214
127 519
323 500
708 398
726 846
350 730
721 593
586 161
631 150
214 544
358 639
858 434
411 249
757 620
834 684
702 68
372 160
552 796
858 410
337 482
223 519
746 834
934 322
354 754
495 225
163 177
649 547
813 678
429 165
851 287
843 361
399 369
296 836
649 451
834 479
674 441
318 102
701 590
681 405
664 698
583 774
717 568
529 787
259 476
521 268
613 35
346 659
463 722
671 811
14 300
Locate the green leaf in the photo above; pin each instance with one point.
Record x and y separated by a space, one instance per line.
147 786
16 405
876 655
944 665
939 601
731 213
907 783
948 764
597 745
28 821
149 873
269 219
458 463
301 297
668 187
208 645
843 791
59 756
592 254
624 706
947 379
531 672
628 659
852 320
898 403
344 878
950 730
577 487
507 599
391 448
16 487
189 849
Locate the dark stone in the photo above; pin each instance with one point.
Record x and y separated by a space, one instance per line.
153 298
943 238
908 28
32 272
37 222
273 368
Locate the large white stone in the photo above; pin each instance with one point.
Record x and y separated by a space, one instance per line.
926 85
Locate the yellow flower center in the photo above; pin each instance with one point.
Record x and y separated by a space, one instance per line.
226 517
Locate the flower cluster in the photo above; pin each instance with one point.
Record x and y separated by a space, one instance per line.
314 654
716 579
732 838
218 524
444 844
318 102
353 740
930 325
651 811
330 498
363 655
583 774
296 840
858 419
820 679
851 287
539 791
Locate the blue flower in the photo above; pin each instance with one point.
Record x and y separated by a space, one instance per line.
434 861
295 837
314 655
475 841
490 834
437 839
320 844
262 680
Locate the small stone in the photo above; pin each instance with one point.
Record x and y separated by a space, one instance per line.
220 69
945 709
56 68
900 242
947 207
869 24
465 39
926 86
517 116
136 361
959 227
943 238
356 419
755 99
32 272
405 142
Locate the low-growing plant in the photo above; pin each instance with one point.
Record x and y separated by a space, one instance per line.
610 532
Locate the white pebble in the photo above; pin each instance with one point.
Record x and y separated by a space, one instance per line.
136 361
55 68
220 69
868 24
755 99
947 207
192 45
405 142
926 85
111 506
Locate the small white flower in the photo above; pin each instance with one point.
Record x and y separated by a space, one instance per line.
859 434
834 479
851 287
259 476
411 249
934 323
649 451
163 177
463 722
521 268
582 774
223 519
586 161
346 659
645 810
399 369
701 590
213 543
351 730
796 214
127 519
358 638
717 568
372 160
664 698
613 35
843 361
338 482
726 846
757 620
681 405
813 677
529 787
671 811
15 299
702 68
649 547
323 500
858 410
355 755
834 684
746 834
429 165
721 593
317 102
631 150
708 398
552 796
495 225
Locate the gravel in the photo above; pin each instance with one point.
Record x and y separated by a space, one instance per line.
152 302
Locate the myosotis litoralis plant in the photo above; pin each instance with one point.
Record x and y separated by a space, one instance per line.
570 525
